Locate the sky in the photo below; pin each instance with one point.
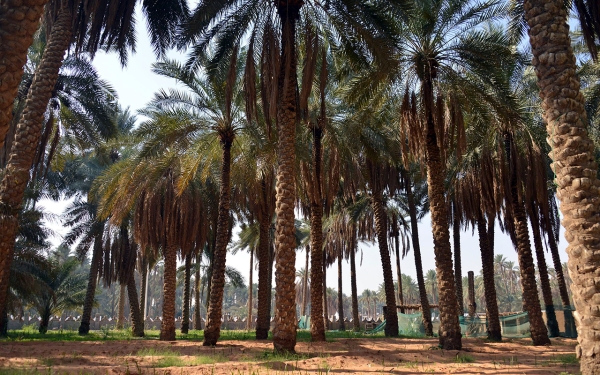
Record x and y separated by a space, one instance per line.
135 85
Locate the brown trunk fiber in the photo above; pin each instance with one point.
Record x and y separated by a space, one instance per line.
457 261
342 324
185 319
551 322
355 317
212 331
143 288
399 273
305 282
137 322
531 301
391 315
121 308
249 319
197 303
29 128
494 330
450 336
263 313
417 253
570 329
19 21
84 327
284 332
167 328
573 164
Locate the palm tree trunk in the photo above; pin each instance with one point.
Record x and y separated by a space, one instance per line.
324 299
450 336
399 273
19 20
551 322
197 302
305 283
263 313
391 316
284 332
167 328
185 320
84 327
412 210
29 128
494 330
121 309
531 301
570 330
457 261
573 164
249 320
144 288
317 293
137 322
342 325
212 331
45 320
355 317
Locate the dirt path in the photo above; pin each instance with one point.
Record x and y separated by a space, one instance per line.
342 356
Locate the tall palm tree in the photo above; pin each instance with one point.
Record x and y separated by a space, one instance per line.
226 24
70 23
573 158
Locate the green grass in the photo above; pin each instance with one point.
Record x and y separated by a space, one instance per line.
568 359
464 358
281 357
153 352
208 360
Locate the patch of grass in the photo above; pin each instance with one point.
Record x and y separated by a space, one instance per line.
153 352
568 359
464 358
13 371
208 359
281 357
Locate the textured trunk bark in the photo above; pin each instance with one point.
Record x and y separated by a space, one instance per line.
399 274
84 327
551 322
494 330
342 325
137 322
457 261
263 313
355 317
324 295
391 316
19 21
197 302
44 321
167 328
212 331
573 164
305 282
570 329
249 320
29 128
531 301
144 288
284 332
121 308
412 209
185 320
450 336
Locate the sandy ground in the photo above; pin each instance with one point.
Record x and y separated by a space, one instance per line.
341 356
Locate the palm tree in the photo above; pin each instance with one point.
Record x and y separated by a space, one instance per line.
572 155
226 23
64 288
431 281
70 23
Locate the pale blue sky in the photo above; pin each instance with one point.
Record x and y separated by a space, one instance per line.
136 85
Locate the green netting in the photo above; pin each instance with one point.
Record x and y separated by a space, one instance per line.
377 329
410 324
304 322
